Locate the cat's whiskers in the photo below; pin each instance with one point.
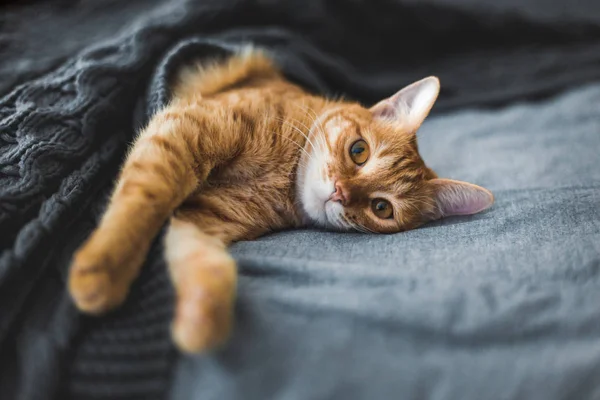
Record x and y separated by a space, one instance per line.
360 228
319 138
354 226
305 135
316 122
296 129
296 143
301 123
333 219
342 222
301 164
321 135
369 230
347 225
322 146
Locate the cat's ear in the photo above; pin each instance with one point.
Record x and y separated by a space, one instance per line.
411 105
459 198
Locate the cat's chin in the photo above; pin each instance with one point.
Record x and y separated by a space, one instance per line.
323 213
334 212
313 210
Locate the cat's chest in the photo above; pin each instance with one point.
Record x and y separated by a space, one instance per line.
266 175
272 187
268 190
258 166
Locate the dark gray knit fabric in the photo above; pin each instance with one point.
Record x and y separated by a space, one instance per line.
63 136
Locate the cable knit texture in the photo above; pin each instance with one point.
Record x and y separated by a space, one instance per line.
66 123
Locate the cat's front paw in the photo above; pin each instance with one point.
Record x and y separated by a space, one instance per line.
205 301
100 276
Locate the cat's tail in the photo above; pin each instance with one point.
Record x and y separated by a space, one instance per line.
207 78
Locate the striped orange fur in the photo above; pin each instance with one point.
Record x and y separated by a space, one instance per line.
238 153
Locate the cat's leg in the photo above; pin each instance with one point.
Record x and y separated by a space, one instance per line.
204 276
163 168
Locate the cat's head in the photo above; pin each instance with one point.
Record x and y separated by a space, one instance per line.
362 168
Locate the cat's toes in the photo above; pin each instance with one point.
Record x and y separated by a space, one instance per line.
202 322
93 290
94 287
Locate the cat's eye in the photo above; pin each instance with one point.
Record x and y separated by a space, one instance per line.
382 208
359 152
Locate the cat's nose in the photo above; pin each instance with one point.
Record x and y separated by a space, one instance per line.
340 195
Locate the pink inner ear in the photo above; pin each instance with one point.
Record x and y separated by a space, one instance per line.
461 198
468 206
385 110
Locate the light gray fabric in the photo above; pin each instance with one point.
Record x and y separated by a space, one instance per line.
502 305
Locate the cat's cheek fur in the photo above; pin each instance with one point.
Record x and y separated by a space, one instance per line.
314 192
315 187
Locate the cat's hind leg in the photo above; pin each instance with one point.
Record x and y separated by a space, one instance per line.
204 276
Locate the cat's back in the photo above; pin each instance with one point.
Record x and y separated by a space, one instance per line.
249 92
263 117
248 75
253 102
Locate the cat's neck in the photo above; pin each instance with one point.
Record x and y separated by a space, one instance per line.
307 124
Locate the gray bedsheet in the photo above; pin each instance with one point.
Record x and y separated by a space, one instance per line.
502 305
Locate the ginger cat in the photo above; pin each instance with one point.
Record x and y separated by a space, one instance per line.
240 152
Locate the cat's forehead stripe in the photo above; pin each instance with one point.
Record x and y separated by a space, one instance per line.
336 126
376 164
